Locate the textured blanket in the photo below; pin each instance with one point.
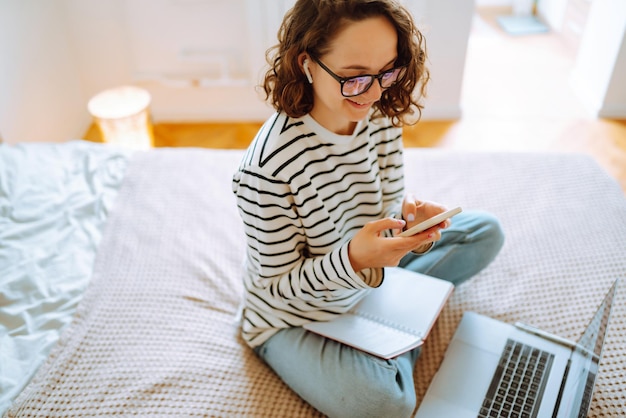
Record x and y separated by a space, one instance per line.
155 334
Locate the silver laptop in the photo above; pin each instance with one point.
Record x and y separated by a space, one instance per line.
494 369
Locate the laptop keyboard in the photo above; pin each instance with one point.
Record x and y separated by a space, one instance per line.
518 382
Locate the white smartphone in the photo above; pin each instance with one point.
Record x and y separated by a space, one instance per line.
430 222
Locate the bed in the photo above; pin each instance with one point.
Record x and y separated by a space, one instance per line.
120 275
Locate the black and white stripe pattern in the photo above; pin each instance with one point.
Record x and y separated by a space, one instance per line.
302 193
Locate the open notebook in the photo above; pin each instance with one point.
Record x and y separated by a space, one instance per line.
393 318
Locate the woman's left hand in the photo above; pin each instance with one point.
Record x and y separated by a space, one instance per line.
415 211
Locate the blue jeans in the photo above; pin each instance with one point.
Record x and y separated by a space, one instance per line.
340 381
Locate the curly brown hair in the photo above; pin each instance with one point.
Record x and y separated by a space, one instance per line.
310 27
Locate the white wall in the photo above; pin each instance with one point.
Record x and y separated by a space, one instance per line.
599 75
614 105
40 89
99 36
553 12
446 26
209 64
494 3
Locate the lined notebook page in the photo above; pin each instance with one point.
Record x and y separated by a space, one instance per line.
393 318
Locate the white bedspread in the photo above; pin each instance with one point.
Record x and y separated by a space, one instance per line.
54 201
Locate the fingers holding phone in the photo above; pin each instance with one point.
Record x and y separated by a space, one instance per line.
422 215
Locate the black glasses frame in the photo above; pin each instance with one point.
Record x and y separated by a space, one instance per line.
343 80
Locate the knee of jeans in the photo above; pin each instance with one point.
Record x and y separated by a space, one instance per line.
489 229
496 234
388 401
389 406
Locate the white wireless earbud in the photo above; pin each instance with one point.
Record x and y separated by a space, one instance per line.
305 64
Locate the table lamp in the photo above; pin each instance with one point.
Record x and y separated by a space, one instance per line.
123 117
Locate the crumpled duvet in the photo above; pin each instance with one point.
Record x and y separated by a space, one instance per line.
54 202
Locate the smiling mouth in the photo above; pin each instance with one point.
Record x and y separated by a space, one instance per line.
359 104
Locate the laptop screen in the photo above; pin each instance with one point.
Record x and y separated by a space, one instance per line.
585 360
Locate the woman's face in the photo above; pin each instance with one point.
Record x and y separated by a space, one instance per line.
365 47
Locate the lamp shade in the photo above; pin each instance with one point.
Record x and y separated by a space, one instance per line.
123 116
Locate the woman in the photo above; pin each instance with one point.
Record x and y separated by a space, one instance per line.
321 195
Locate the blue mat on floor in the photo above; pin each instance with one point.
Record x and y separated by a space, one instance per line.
522 25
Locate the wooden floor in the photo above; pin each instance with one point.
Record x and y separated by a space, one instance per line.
516 97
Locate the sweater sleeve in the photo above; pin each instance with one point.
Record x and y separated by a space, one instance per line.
278 251
391 164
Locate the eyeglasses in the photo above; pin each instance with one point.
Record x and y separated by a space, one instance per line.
353 86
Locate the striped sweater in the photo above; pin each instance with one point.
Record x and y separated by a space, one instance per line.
302 193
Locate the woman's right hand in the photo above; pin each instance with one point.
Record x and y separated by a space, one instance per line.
369 248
